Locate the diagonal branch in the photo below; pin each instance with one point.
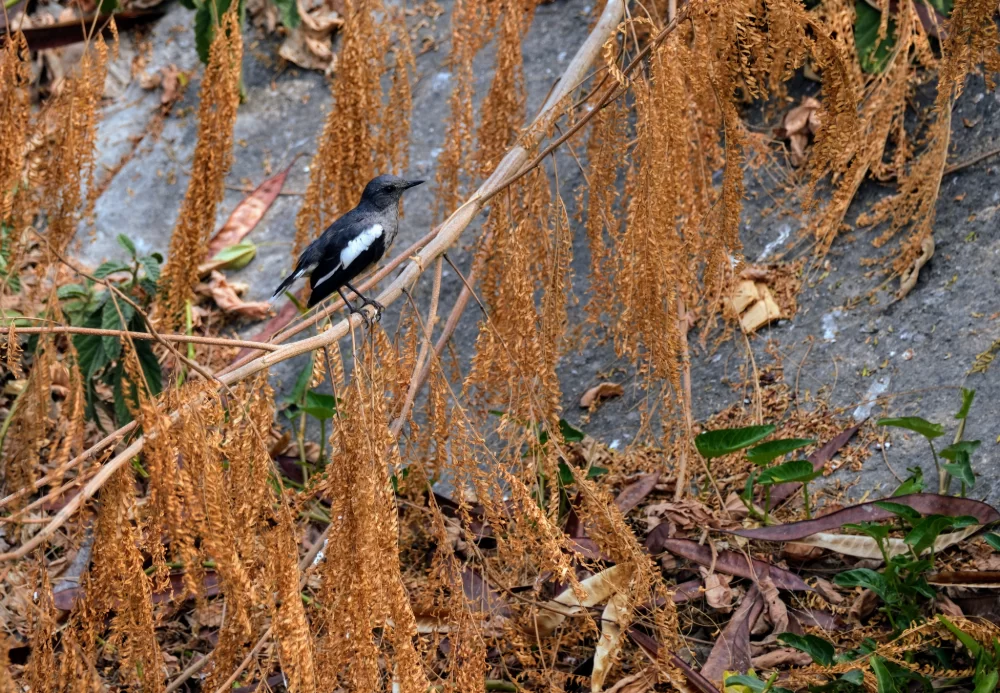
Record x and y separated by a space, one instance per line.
508 170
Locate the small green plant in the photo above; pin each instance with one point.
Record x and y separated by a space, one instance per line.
100 356
902 585
726 441
303 403
763 455
958 453
208 19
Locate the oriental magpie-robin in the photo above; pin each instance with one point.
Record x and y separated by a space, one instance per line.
352 244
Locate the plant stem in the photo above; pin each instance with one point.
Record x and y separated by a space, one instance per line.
943 481
767 502
805 499
946 482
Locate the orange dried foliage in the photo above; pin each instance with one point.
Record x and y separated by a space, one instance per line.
212 160
366 133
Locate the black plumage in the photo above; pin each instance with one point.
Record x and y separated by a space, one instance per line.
352 243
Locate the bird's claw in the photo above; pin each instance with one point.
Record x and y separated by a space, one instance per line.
379 309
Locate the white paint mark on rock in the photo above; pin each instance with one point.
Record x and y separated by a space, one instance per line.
830 328
878 387
783 234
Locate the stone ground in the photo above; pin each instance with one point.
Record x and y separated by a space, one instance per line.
919 350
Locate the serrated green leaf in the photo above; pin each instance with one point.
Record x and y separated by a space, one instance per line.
123 240
967 397
916 424
110 320
108 268
72 291
872 53
903 511
798 471
152 266
773 449
712 444
819 649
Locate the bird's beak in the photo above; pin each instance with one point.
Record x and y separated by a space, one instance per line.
413 183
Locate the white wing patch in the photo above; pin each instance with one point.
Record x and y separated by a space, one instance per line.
360 244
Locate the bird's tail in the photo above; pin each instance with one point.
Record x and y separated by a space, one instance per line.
289 280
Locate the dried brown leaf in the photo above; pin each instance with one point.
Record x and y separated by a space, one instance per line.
226 298
600 392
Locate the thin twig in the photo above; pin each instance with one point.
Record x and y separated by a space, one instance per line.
182 338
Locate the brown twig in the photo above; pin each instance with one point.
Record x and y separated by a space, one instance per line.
182 338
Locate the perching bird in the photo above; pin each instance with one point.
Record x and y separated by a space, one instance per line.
352 243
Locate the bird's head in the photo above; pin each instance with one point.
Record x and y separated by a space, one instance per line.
385 191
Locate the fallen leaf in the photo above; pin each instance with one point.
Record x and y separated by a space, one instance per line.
800 553
172 84
783 656
718 593
728 562
735 506
234 257
866 547
651 648
596 589
908 279
610 641
634 493
777 612
224 295
249 212
683 514
863 605
947 607
744 294
924 503
826 590
798 143
599 392
310 44
966 578
639 682
764 311
732 648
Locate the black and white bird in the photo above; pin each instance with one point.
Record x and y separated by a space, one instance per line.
352 243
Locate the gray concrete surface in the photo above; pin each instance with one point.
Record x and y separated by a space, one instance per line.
927 342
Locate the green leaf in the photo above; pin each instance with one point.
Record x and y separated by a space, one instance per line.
289 12
319 399
206 20
926 532
988 683
569 433
712 444
320 413
876 531
970 643
819 649
967 397
110 267
799 470
150 367
91 355
942 6
872 53
903 511
123 240
964 447
771 450
110 320
565 474
993 540
301 383
152 267
867 579
236 256
916 424
751 682
961 469
72 291
883 677
594 471
913 484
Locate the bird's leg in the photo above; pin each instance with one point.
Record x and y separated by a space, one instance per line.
368 302
352 310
